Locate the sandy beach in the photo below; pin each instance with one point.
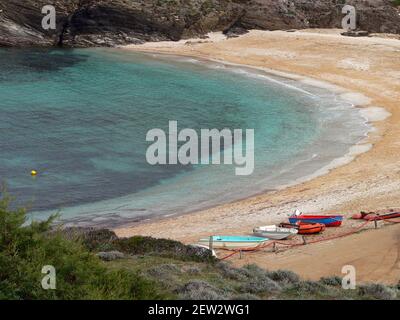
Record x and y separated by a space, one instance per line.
369 69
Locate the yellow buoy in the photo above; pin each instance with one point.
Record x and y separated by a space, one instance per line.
33 173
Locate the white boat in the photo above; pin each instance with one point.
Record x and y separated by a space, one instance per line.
233 242
275 232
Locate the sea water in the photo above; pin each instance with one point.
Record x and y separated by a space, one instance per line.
80 118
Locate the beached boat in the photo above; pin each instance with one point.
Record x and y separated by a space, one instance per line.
275 232
387 216
305 228
328 220
233 242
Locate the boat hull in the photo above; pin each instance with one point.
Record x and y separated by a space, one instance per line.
241 243
372 217
274 235
328 221
306 229
315 228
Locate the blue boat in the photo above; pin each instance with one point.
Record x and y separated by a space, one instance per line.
329 220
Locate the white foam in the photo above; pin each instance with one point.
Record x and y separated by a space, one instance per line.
372 114
270 79
323 85
354 151
360 149
355 98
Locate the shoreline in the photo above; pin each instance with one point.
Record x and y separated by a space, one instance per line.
369 182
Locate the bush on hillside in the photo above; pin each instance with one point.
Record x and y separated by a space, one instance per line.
334 281
284 277
200 290
138 245
377 291
26 248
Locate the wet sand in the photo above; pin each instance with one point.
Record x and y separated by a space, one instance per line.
369 66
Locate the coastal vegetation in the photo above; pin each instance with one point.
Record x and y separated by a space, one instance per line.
95 264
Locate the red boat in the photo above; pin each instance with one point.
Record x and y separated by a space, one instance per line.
388 216
305 228
328 221
371 216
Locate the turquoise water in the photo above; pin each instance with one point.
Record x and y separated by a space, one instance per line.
80 118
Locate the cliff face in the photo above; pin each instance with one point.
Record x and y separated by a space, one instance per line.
112 22
379 16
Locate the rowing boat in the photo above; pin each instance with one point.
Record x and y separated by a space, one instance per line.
372 216
233 242
328 220
305 228
275 232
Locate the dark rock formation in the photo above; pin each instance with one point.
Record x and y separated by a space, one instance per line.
84 23
235 32
372 15
112 22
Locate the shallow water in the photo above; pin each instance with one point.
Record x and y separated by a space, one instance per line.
80 118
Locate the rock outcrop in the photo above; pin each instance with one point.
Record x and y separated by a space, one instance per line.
378 16
85 23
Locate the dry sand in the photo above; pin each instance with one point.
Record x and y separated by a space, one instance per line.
370 66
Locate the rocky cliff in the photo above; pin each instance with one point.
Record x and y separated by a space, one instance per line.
83 23
379 16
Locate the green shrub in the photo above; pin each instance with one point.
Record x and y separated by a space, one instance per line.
26 248
377 291
200 290
230 272
284 277
309 289
260 285
164 271
245 296
331 281
138 245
